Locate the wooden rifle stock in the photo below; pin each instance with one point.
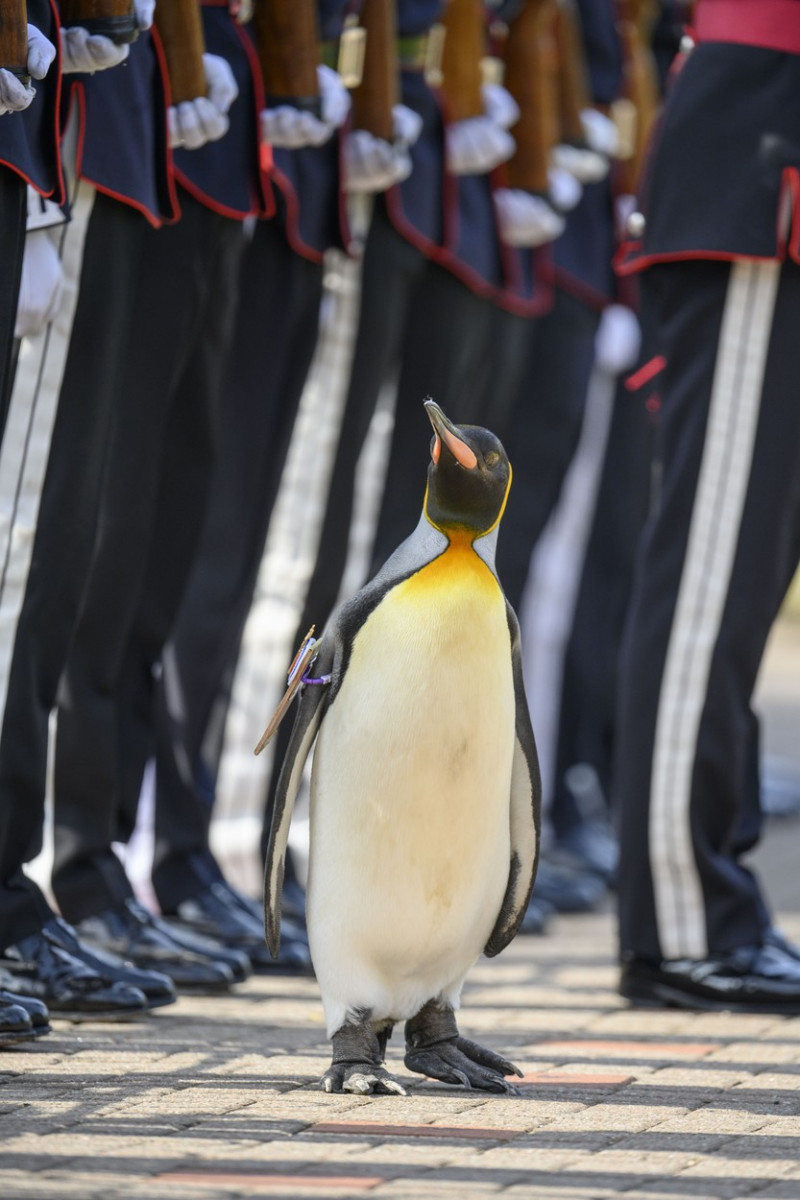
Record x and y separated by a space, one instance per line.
464 48
531 77
573 81
287 39
180 28
14 38
114 19
376 95
640 86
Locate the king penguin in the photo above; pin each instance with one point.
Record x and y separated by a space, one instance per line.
425 792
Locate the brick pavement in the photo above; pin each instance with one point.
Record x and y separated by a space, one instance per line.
215 1097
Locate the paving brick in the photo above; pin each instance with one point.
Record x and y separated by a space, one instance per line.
216 1098
323 1185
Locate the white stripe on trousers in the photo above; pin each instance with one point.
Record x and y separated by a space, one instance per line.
705 580
29 429
551 592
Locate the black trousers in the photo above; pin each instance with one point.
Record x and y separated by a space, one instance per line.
62 549
590 669
714 563
139 520
276 333
543 431
12 239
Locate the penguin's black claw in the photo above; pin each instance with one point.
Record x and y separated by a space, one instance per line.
363 1079
487 1058
434 1047
463 1062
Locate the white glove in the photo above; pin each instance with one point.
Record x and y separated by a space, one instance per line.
476 145
586 165
41 286
563 189
195 122
617 341
600 132
334 96
292 128
14 96
406 126
86 52
499 105
221 86
373 164
144 10
525 219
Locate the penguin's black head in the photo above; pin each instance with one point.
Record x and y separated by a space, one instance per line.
468 477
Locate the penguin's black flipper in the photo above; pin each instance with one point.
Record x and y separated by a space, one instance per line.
313 702
525 810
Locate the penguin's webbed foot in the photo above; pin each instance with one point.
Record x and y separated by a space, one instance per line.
435 1048
361 1078
357 1065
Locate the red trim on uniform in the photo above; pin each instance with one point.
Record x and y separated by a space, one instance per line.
580 289
77 95
790 185
769 24
161 59
58 193
651 368
292 215
267 200
209 202
629 259
623 267
16 171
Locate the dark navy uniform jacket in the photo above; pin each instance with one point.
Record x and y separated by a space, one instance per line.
226 175
584 254
452 219
122 146
29 143
310 179
724 165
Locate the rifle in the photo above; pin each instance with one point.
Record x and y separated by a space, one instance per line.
377 94
14 39
573 81
531 76
635 112
464 47
114 19
180 28
287 39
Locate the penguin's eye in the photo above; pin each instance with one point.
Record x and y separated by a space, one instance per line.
492 458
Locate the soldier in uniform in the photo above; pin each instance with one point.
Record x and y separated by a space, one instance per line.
717 246
41 954
119 201
162 443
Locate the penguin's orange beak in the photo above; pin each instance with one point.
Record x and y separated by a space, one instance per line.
445 432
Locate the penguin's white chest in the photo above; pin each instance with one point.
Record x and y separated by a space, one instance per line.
410 839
